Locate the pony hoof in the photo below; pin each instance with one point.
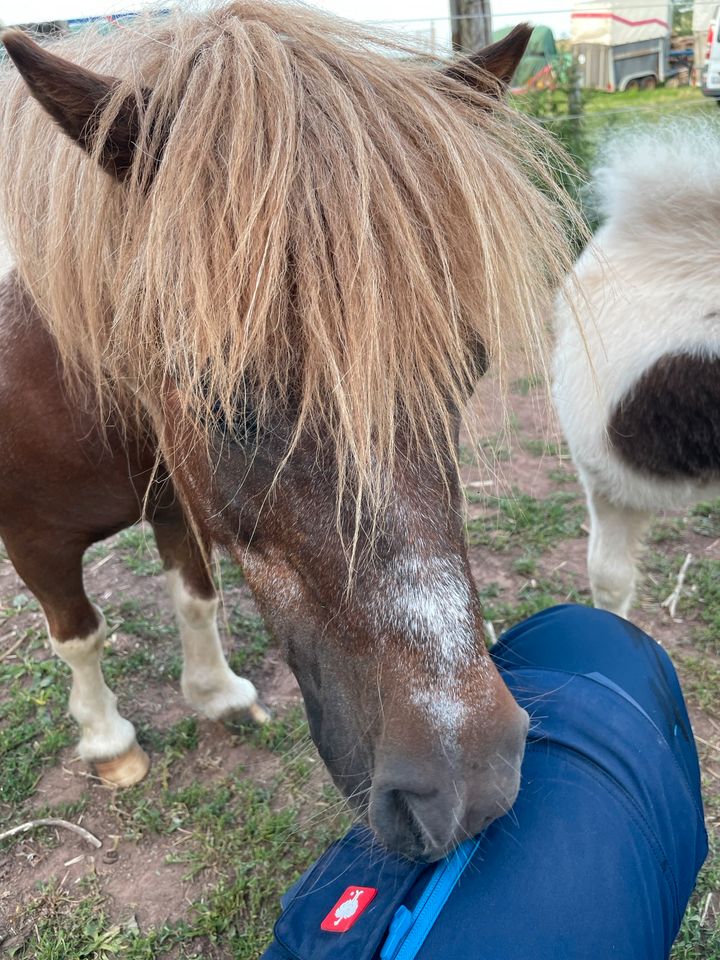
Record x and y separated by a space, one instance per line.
124 771
259 713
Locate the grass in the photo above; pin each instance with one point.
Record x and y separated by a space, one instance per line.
138 552
700 600
699 936
250 642
526 385
519 520
705 519
33 723
505 608
242 842
228 574
131 617
545 448
235 833
561 475
701 682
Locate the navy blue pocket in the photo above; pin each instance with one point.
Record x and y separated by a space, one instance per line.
353 863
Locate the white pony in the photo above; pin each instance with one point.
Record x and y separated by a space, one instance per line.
637 359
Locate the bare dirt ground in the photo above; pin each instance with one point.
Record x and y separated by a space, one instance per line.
193 860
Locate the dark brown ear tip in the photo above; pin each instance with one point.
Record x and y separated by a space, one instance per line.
13 37
17 43
521 30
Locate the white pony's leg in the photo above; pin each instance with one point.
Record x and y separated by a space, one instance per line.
107 740
208 683
613 552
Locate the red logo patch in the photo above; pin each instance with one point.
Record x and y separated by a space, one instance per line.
348 908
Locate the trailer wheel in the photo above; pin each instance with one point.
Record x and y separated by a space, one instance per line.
648 83
632 85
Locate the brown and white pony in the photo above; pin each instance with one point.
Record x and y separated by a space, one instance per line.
637 360
294 248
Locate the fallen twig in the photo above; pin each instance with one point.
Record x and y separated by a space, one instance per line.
13 647
707 907
101 563
706 743
490 631
671 602
52 822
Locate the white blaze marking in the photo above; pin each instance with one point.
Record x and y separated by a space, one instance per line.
444 706
428 599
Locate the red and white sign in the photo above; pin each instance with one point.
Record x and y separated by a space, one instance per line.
351 904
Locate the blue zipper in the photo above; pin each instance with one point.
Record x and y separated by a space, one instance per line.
409 928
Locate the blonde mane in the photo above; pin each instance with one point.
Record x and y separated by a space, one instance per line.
333 221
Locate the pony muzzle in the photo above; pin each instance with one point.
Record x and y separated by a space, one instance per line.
423 807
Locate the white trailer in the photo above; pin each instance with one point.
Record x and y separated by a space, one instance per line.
621 45
704 13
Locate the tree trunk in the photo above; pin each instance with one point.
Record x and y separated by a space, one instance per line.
471 24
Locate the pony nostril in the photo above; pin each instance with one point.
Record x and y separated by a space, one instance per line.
407 819
402 827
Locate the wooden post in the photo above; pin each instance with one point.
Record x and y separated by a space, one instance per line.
471 24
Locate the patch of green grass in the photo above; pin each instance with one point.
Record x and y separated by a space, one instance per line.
699 936
700 598
227 574
703 600
250 642
523 521
705 519
283 734
659 571
466 456
701 681
504 610
494 448
561 475
34 726
545 448
20 603
667 531
117 665
526 566
131 617
524 385
138 552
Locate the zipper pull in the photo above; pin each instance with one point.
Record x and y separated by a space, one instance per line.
401 923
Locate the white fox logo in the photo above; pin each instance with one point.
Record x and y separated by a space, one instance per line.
348 907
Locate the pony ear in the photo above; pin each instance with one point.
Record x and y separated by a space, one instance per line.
74 97
499 59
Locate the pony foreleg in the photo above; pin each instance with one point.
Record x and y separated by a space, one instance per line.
208 683
107 740
615 543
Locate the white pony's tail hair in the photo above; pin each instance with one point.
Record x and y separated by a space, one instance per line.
660 173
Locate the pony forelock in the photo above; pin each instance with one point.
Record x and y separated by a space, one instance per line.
317 218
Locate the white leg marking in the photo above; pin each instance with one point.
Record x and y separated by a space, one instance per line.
613 552
208 683
104 733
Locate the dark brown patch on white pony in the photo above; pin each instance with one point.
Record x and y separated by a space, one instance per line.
669 423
